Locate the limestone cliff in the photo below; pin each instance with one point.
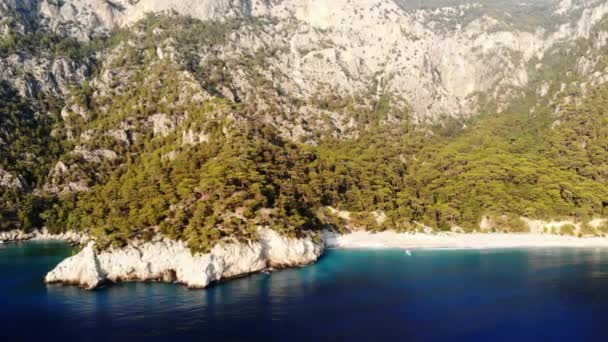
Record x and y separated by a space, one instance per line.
171 261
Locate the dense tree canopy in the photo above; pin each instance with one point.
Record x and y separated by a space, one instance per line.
529 160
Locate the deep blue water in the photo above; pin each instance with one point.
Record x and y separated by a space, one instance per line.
533 294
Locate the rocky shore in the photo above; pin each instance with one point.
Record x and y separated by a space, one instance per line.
171 261
165 260
14 236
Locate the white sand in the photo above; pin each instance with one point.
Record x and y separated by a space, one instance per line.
459 241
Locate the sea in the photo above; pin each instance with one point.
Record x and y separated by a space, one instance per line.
544 294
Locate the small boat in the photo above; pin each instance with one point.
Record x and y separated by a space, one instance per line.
408 252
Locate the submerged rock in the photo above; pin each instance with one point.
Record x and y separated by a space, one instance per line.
172 261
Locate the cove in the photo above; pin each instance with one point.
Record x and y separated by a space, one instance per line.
495 294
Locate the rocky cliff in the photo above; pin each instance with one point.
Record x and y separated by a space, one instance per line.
170 261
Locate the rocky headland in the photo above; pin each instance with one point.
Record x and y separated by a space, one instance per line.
170 261
165 260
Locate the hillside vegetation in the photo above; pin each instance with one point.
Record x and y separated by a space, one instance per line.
173 135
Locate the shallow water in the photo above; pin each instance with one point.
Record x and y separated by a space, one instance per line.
522 294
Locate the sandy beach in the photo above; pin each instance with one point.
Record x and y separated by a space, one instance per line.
459 241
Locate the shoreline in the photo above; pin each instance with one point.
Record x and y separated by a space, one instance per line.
18 236
383 240
393 240
170 261
165 260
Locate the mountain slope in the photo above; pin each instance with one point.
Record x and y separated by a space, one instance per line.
438 60
285 113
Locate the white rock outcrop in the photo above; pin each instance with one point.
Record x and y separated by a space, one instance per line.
18 235
15 236
70 236
171 261
9 181
82 269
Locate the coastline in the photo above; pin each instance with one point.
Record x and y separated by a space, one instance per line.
164 260
390 239
16 236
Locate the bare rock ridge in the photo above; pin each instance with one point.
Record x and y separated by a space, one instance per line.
439 67
171 261
98 15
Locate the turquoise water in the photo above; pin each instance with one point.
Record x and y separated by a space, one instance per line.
534 294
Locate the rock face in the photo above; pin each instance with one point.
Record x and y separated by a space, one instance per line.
101 15
35 75
438 59
172 261
82 269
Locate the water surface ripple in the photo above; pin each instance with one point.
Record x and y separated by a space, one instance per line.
498 295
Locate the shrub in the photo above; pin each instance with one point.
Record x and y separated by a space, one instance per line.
511 223
568 229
